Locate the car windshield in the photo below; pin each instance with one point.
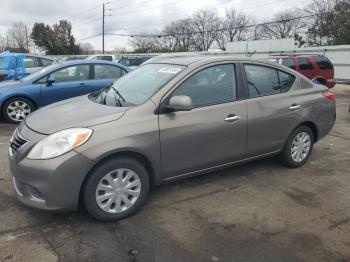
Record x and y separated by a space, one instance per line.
137 87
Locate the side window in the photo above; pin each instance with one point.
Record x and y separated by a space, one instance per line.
46 62
108 72
213 85
304 64
30 62
106 58
264 81
72 73
288 62
323 63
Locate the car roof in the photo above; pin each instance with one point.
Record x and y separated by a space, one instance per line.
85 61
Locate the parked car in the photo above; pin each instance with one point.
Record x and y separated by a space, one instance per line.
71 58
315 67
102 57
18 65
132 62
18 98
162 122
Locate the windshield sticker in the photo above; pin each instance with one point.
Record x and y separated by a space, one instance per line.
169 70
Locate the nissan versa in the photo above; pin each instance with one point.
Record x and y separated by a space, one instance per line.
165 121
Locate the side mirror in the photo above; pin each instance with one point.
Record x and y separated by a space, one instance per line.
51 79
180 103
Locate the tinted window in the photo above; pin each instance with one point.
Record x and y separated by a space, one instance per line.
30 62
213 85
263 81
288 62
72 73
323 62
304 64
108 72
46 62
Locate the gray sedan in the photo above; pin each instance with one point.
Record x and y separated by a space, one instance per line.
165 121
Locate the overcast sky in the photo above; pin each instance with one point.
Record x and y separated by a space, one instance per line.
129 17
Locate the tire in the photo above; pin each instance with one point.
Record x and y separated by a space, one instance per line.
16 109
116 193
297 159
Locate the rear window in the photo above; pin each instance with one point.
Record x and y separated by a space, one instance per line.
288 62
323 62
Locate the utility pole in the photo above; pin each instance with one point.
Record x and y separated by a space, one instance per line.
103 28
103 24
27 41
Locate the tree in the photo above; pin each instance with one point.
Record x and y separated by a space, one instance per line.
86 48
18 36
181 32
285 25
56 40
142 43
321 23
342 23
205 26
3 44
234 25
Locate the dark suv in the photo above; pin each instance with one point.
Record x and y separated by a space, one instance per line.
315 67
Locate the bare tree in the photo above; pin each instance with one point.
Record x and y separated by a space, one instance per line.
285 25
181 32
205 26
3 44
18 35
234 27
143 43
322 24
86 48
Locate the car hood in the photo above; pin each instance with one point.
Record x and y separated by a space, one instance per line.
9 84
76 112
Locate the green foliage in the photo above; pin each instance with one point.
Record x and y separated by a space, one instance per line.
342 23
55 40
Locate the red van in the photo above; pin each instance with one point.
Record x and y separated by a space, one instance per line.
315 67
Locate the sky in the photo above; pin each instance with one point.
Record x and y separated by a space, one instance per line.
125 17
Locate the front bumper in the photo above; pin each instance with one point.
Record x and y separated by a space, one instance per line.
52 184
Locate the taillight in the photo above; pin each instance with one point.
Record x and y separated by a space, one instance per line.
330 96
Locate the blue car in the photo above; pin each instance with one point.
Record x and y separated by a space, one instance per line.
18 98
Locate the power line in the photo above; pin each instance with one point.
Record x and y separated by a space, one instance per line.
207 31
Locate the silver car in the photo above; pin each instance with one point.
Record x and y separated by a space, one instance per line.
165 121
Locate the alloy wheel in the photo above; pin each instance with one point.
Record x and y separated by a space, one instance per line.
18 110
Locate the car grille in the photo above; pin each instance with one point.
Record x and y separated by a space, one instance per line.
17 141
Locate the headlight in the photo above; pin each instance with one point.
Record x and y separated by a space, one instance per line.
60 143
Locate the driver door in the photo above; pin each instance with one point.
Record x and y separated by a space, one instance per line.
213 133
68 82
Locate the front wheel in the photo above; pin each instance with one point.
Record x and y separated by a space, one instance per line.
17 109
116 189
298 148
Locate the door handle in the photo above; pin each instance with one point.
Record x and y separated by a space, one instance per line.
83 85
294 107
231 118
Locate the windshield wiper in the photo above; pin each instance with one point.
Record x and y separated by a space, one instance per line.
116 92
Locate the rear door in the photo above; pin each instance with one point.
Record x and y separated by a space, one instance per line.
306 67
273 110
104 75
69 82
213 133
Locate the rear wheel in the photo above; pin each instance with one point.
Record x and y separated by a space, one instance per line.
17 109
116 189
298 148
